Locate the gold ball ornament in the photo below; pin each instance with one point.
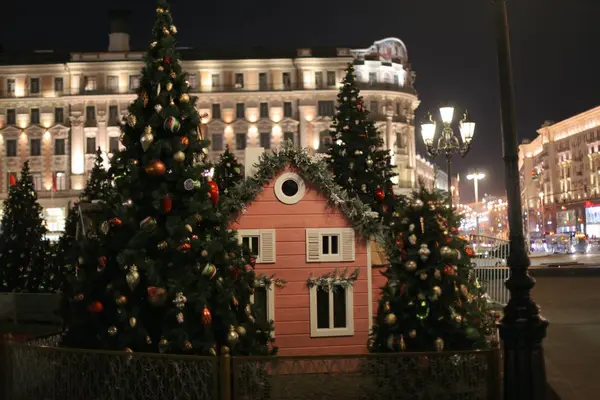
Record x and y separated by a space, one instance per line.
437 274
241 330
411 265
437 291
458 318
165 31
446 252
161 68
391 319
387 307
187 345
163 342
121 300
212 351
412 334
439 344
169 86
423 276
112 330
132 322
173 29
232 336
173 75
204 253
131 120
148 340
184 98
179 156
189 228
225 350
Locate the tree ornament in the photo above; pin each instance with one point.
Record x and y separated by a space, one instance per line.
148 340
187 345
206 318
121 300
148 224
446 252
114 222
391 343
357 152
133 278
422 220
184 141
167 203
402 344
439 344
241 330
95 307
379 194
179 317
437 290
369 162
412 239
214 192
161 69
155 168
189 184
147 139
162 245
363 187
423 276
184 98
437 275
145 99
132 322
112 330
179 300
185 247
411 265
158 108
156 296
131 120
391 319
418 203
153 45
79 297
189 228
469 251
165 31
424 252
412 334
411 227
448 270
102 260
179 156
232 336
224 350
169 86
173 74
387 307
172 124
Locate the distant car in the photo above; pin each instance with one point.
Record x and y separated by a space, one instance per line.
492 257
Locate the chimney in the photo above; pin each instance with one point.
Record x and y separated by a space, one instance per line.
118 31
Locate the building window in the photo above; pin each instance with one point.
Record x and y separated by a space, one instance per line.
35 148
59 84
59 147
113 115
396 80
90 145
265 140
262 81
35 115
264 303
330 245
34 85
240 111
264 110
112 84
217 141
113 145
193 80
324 141
375 107
239 81
318 79
216 111
289 136
330 78
11 86
372 78
59 115
331 311
398 109
55 219
287 109
14 176
11 116
325 108
36 179
216 81
134 82
240 141
260 243
287 81
60 181
90 113
89 83
11 148
289 188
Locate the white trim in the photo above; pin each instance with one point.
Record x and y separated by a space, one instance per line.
331 332
315 254
270 303
282 196
262 234
369 284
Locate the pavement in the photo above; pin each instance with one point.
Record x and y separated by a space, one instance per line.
591 259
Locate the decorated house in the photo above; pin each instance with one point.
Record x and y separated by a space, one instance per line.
313 252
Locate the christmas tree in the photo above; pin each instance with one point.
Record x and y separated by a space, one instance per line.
432 299
228 171
23 231
359 163
166 274
98 185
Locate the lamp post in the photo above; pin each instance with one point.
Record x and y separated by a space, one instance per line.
448 143
522 329
542 212
476 177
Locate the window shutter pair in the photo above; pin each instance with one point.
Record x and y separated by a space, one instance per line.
266 242
313 244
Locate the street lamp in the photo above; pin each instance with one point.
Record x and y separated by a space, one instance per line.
476 177
448 143
522 329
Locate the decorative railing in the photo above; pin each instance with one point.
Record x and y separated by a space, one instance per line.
491 266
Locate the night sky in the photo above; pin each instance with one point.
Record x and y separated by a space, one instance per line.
556 49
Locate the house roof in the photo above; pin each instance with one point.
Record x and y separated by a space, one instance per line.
359 216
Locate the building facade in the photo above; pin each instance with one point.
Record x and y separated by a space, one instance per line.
560 176
55 110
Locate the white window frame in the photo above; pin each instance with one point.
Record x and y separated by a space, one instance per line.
282 197
270 302
346 245
264 241
331 332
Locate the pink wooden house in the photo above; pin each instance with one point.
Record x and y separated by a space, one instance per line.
298 235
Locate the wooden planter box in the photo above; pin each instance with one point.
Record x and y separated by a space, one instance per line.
30 307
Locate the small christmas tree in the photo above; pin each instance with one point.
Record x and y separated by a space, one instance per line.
23 231
166 274
432 299
228 171
359 163
98 184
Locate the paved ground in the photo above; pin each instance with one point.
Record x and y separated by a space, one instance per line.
573 343
559 258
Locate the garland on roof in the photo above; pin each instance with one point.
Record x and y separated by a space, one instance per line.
313 169
333 279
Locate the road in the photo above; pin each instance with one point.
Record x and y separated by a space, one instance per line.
588 259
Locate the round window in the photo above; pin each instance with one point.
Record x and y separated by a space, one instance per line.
289 188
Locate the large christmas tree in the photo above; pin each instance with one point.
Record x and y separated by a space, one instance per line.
167 274
358 161
22 255
228 171
432 299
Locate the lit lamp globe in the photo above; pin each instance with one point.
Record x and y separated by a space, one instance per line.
467 129
428 131
447 113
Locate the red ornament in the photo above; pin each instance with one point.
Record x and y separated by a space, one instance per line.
95 307
156 168
449 270
167 60
184 247
13 180
185 141
101 263
115 222
156 295
403 255
214 192
167 203
470 252
253 262
206 318
379 194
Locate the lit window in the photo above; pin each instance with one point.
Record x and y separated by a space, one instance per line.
239 81
55 219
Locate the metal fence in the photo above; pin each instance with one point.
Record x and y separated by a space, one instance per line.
41 371
491 266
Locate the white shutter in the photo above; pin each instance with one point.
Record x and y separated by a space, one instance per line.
267 246
348 244
312 245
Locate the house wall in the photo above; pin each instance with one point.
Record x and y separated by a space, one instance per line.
292 302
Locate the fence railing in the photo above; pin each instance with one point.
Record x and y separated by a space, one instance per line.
491 266
40 370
